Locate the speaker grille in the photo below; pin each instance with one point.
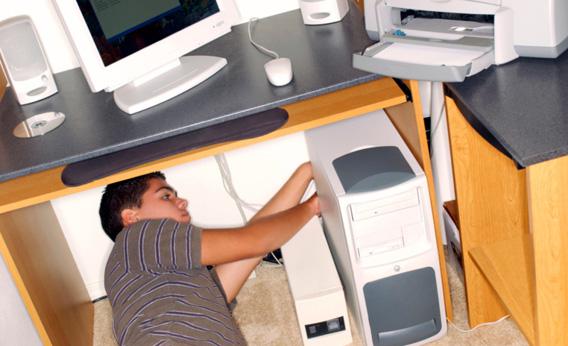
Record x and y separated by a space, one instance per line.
20 50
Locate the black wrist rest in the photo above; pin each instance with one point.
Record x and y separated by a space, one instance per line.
251 126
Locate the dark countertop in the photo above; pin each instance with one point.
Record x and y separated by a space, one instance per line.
94 126
520 107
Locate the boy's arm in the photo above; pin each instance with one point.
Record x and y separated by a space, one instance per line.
290 193
257 238
234 274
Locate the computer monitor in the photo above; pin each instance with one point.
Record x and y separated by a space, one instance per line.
136 48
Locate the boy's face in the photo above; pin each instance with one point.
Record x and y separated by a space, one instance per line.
160 201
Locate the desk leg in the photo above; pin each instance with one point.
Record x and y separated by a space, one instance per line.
409 121
43 269
547 185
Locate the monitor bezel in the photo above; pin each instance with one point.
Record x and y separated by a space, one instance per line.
146 60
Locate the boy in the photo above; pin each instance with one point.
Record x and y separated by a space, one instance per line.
156 277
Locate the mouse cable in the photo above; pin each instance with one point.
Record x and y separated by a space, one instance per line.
258 46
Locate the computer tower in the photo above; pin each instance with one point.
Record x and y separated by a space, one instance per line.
378 222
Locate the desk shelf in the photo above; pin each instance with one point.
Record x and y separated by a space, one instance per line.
509 268
328 108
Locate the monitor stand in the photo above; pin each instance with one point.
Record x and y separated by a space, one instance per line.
166 82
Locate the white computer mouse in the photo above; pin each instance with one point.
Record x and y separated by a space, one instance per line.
279 71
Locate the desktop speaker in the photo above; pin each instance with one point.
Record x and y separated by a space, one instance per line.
316 12
24 60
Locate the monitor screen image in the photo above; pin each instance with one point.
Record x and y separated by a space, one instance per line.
137 48
120 28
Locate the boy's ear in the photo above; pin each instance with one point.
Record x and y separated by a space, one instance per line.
129 216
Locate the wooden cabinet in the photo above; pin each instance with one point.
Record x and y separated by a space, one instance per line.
514 235
43 269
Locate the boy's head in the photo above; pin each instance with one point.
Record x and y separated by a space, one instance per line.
145 197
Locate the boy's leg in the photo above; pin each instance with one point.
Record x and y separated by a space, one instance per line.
233 275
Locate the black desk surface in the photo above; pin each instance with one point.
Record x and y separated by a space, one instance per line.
520 107
94 126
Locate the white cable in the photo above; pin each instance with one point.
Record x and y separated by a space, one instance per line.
439 119
440 116
258 46
479 325
278 263
232 192
229 186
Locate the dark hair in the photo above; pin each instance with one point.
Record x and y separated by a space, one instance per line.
121 195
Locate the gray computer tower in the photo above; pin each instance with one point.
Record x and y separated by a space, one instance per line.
378 222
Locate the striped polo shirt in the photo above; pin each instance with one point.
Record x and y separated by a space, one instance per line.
159 292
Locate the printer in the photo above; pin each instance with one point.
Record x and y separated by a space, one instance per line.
448 40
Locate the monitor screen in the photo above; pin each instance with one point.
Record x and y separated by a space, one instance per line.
120 28
126 45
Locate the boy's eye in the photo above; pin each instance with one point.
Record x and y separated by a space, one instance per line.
166 197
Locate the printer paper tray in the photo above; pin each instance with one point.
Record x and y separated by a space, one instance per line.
421 62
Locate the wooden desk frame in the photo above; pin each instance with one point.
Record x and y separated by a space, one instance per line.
3 82
514 234
41 263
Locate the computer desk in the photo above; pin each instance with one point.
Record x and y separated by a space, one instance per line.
31 241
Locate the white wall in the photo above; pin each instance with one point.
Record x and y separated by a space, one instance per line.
264 8
16 327
258 170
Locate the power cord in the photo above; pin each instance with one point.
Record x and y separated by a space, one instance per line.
264 50
229 187
478 326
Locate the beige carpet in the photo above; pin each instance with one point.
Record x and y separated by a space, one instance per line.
265 313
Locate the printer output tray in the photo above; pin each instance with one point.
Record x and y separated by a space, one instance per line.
423 62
